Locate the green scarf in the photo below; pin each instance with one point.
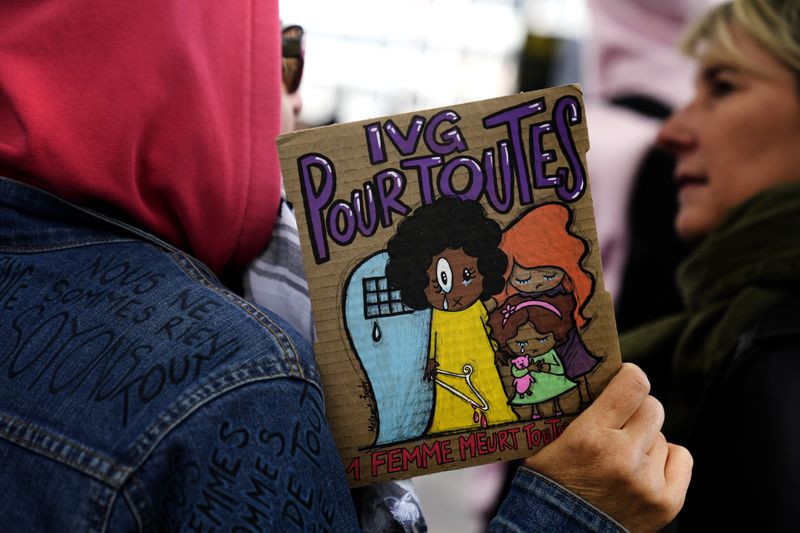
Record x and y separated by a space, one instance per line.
741 270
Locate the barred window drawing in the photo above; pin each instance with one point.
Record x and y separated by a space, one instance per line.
380 301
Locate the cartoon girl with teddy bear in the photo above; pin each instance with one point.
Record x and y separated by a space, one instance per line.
527 332
449 256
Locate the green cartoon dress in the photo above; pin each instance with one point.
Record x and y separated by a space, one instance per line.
547 385
459 338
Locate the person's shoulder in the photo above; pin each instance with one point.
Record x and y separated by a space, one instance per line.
127 338
222 340
749 411
782 321
249 435
766 359
250 322
117 352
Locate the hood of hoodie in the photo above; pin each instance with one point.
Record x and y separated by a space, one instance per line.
161 112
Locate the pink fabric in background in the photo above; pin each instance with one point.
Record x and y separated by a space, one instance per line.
632 50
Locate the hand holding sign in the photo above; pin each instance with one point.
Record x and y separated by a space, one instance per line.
615 456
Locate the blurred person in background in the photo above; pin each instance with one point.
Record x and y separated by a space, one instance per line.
292 64
731 356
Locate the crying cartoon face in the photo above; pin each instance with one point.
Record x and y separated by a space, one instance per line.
530 342
455 283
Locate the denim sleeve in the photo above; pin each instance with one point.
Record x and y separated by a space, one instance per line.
536 503
258 458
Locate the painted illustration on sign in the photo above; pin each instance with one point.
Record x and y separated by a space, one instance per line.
527 331
417 314
390 341
455 280
446 256
545 262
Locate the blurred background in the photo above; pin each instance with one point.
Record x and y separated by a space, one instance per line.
373 58
366 59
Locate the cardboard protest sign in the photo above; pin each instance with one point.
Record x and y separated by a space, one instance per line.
455 279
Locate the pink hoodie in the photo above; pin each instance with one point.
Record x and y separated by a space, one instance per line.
161 112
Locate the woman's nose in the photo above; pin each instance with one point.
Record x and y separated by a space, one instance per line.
677 134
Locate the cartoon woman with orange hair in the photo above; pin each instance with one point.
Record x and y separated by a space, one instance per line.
544 261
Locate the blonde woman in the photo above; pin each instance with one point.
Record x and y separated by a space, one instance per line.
728 368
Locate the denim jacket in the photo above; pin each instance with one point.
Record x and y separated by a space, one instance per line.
138 394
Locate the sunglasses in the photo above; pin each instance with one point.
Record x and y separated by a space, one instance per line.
293 57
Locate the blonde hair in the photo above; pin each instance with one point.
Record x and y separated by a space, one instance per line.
775 24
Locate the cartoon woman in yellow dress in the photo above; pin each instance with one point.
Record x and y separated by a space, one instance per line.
446 256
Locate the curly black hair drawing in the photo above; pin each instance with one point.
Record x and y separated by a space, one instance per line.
448 224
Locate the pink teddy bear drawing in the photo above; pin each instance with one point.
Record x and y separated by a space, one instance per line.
523 383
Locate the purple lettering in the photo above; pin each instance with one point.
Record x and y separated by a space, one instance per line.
540 157
316 199
405 144
366 218
512 118
423 165
475 179
451 140
493 190
390 184
342 222
566 114
377 152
